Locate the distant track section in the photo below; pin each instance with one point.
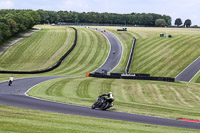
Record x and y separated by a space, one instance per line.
115 54
187 74
50 68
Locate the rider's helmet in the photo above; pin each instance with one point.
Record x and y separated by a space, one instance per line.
111 95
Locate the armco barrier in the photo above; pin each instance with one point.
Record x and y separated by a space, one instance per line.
134 76
139 74
50 68
130 56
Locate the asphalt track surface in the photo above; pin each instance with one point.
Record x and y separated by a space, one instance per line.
189 72
15 95
115 53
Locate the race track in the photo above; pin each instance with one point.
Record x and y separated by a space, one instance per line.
15 96
187 74
115 53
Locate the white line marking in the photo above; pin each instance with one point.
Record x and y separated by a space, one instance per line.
195 75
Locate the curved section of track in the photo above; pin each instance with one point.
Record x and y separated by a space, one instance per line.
15 96
115 54
189 72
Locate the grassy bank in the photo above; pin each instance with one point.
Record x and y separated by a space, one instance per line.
38 51
163 99
90 53
159 56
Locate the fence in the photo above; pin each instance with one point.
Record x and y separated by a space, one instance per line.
130 56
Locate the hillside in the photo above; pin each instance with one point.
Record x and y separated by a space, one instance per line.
159 56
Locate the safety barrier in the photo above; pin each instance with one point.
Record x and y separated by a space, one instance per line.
130 56
131 76
50 68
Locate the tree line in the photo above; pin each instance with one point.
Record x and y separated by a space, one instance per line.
187 23
15 21
141 19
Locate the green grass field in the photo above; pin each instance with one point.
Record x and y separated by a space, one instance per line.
159 56
38 51
90 53
14 120
163 99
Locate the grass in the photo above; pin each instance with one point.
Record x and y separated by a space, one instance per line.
159 56
38 51
196 79
162 99
24 120
90 53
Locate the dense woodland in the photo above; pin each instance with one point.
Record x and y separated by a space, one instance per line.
141 19
16 21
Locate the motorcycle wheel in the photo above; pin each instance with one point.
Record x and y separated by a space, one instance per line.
9 83
93 106
107 106
103 106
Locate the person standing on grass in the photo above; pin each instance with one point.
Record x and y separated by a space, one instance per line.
11 79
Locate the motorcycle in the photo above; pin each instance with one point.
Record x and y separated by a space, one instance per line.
9 83
103 103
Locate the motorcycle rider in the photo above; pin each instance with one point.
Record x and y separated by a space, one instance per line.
103 97
11 79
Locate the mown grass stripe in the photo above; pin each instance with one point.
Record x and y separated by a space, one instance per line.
83 55
180 53
179 98
91 52
32 52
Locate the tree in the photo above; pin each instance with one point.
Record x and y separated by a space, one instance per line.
178 22
160 22
168 19
15 21
44 16
187 23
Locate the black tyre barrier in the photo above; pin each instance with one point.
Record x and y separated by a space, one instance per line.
131 76
50 68
130 56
